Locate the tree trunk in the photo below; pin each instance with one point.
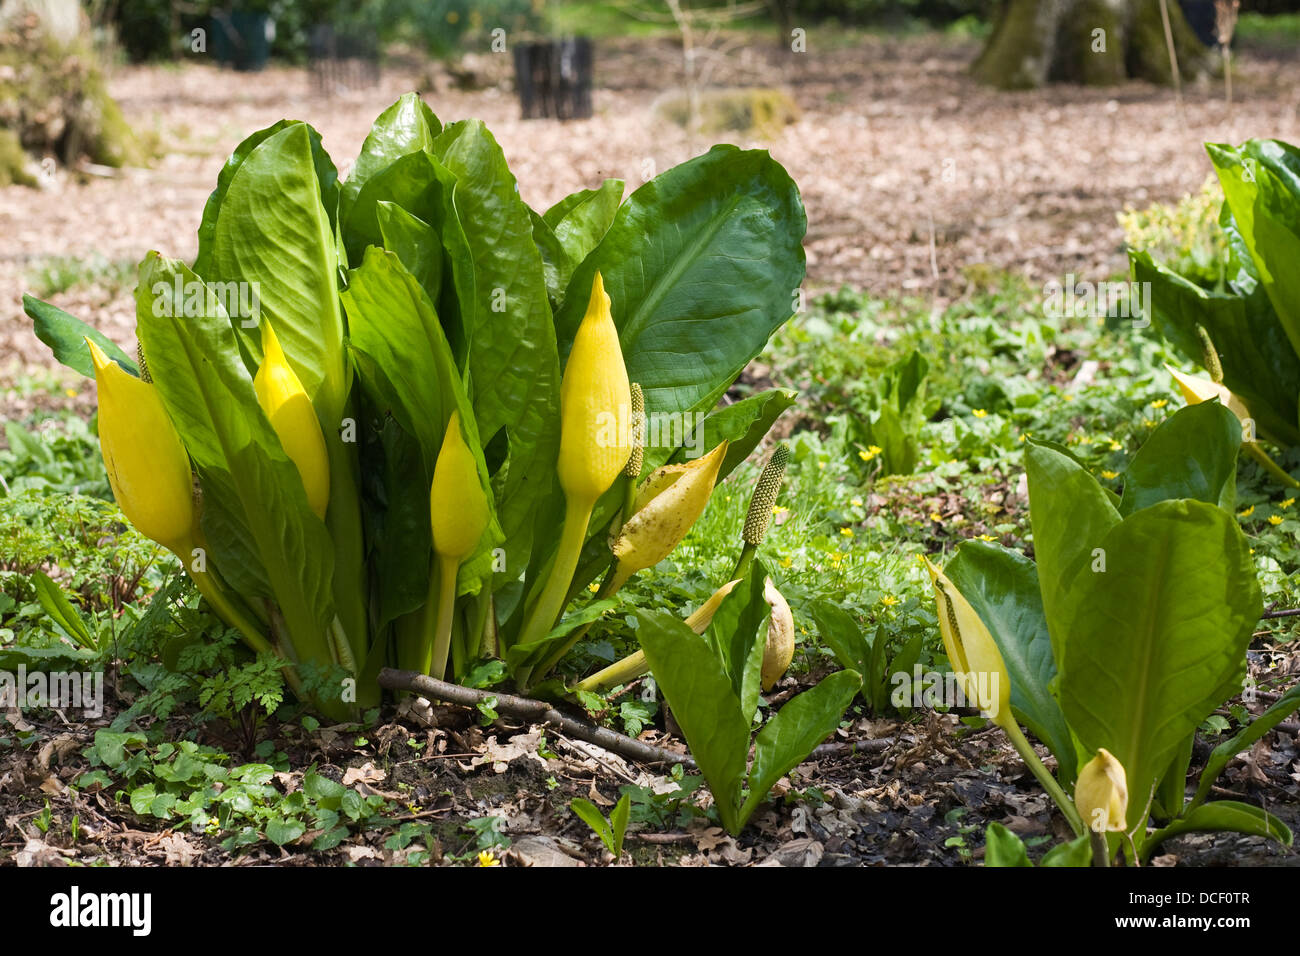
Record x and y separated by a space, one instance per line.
1094 42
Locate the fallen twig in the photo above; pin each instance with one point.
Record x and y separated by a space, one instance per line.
536 711
1284 612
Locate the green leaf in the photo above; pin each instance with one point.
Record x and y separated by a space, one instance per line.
1004 848
255 515
1259 365
743 423
408 126
699 692
738 634
1281 709
702 264
273 234
586 811
1192 454
1002 587
788 738
514 379
523 658
65 335
1262 188
1222 815
1070 514
406 366
326 176
578 222
281 831
1078 852
618 818
416 244
1158 640
60 609
844 637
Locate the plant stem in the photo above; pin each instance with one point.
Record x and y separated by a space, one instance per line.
226 610
620 672
1045 778
1269 465
744 561
447 569
577 514
1100 848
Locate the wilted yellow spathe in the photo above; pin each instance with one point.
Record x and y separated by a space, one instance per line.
667 505
458 509
1101 793
972 652
779 650
595 405
1196 390
285 401
147 466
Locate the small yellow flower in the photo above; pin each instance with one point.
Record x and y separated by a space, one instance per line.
1108 474
979 413
821 464
1068 397
1160 403
1247 513
856 502
874 449
70 392
837 557
593 587
1287 504
889 600
1024 435
846 532
1116 446
779 509
1275 520
935 516
1085 440
987 537
787 562
1148 423
488 858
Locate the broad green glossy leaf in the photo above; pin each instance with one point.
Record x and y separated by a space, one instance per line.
699 692
1259 364
1002 587
738 635
702 264
208 394
513 372
1070 514
1192 454
744 423
578 222
1156 641
1263 191
1229 815
1004 848
1280 710
408 126
416 244
65 335
326 177
273 234
407 368
788 738
843 636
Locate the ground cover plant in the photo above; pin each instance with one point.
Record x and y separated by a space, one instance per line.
422 482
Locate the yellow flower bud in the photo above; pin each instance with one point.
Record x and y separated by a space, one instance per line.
146 462
668 504
458 508
779 650
595 405
285 401
1196 390
971 650
1101 793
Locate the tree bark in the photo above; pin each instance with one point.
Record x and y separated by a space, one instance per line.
1092 42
